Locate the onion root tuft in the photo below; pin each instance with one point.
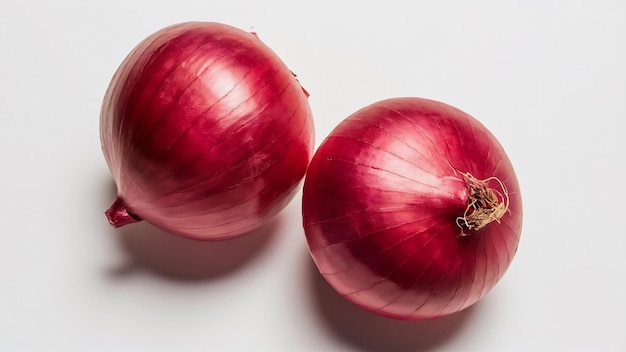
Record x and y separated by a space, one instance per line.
485 204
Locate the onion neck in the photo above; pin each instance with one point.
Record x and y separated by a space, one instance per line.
485 204
118 214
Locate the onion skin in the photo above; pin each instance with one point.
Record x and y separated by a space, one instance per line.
381 201
206 132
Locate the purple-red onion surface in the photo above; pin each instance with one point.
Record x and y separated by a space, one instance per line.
206 132
412 209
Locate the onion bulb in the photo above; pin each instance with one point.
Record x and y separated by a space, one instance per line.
412 209
206 132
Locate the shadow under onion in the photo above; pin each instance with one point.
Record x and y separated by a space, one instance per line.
370 332
183 259
147 247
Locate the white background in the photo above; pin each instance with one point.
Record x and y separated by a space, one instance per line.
548 78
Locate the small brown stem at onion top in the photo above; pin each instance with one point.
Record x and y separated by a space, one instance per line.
118 214
485 204
306 92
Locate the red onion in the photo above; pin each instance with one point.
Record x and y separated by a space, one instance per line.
412 209
207 133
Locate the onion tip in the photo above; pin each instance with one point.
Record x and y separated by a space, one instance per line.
118 214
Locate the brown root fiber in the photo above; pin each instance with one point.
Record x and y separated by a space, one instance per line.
485 204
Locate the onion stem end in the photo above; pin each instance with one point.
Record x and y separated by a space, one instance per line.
118 214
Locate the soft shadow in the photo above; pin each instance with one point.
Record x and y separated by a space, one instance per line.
179 258
147 247
370 332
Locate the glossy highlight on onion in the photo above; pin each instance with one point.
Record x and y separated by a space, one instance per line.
412 209
206 132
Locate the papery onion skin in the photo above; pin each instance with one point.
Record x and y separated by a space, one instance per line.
381 203
206 132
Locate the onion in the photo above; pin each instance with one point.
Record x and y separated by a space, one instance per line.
412 209
206 132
